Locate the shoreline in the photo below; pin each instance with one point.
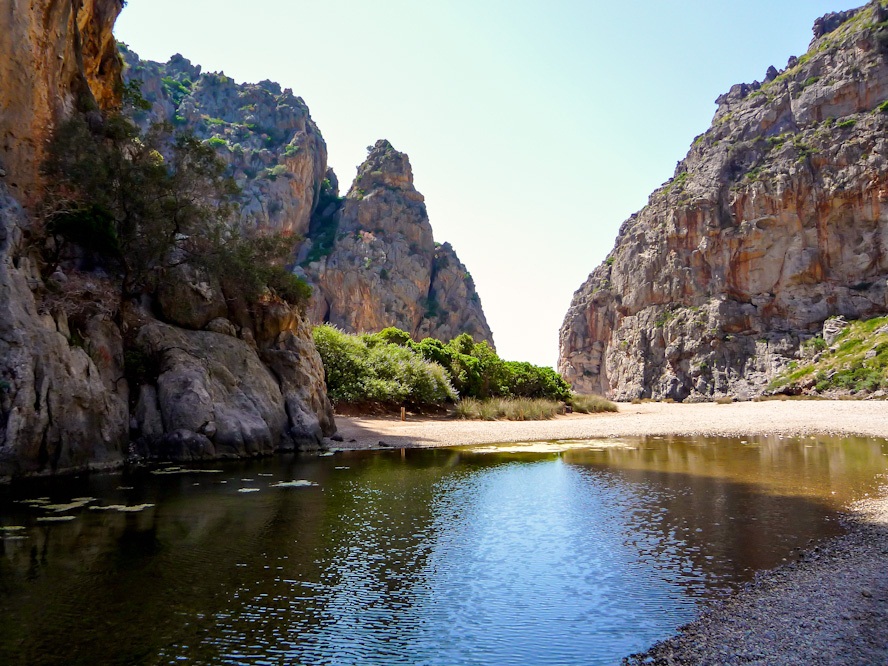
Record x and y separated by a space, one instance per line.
828 607
738 419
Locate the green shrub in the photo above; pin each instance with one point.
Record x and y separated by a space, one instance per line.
368 369
217 142
512 409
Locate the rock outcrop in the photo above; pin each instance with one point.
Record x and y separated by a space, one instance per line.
274 150
58 55
63 399
376 264
370 256
72 346
776 220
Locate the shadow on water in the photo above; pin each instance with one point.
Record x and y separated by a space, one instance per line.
418 556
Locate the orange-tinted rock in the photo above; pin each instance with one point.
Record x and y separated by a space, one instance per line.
775 221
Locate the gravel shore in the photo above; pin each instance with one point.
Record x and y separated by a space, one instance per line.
830 606
770 417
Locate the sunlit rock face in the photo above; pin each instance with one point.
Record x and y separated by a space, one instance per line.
776 220
382 266
370 256
274 150
57 56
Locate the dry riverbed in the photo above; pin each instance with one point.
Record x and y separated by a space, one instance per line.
829 606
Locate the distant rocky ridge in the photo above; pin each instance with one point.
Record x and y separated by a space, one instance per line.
377 264
371 255
776 220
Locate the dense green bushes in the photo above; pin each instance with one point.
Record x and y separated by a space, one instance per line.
389 367
368 369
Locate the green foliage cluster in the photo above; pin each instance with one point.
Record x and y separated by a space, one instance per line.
473 369
250 265
113 193
177 90
858 361
591 404
137 204
324 224
511 409
366 368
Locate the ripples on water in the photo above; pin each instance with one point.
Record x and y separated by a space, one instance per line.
421 557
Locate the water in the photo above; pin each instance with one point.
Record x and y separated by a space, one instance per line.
561 553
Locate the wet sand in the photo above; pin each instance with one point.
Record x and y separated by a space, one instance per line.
830 606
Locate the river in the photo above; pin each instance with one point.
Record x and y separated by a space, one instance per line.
552 553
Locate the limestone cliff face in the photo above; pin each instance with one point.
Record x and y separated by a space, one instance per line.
266 135
381 266
371 257
776 220
58 55
87 377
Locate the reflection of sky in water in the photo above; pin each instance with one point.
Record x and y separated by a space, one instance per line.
548 553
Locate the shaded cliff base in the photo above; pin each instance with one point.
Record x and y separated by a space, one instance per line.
828 607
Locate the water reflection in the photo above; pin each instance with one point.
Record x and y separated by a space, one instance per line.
554 555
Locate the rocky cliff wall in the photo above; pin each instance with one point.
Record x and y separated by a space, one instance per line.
274 150
58 55
89 378
371 257
776 220
381 266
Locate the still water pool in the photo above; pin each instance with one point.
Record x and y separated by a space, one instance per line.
557 553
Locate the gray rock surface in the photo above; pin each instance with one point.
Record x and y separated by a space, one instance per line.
384 268
63 401
775 221
274 150
371 256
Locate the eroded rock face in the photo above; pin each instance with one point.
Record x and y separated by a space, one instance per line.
63 402
220 396
69 343
266 135
776 220
383 267
58 55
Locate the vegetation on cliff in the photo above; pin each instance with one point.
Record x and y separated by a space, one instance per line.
138 204
854 361
773 223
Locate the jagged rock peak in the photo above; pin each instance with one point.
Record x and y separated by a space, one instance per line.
384 168
829 22
827 35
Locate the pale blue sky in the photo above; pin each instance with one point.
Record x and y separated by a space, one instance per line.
534 128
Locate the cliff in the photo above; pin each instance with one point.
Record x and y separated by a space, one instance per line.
775 221
90 373
58 56
376 264
273 148
371 256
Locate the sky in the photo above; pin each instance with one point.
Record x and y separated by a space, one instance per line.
534 127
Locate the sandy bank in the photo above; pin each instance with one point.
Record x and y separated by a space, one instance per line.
790 417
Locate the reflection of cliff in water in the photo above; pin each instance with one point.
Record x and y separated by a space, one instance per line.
122 584
737 505
406 550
